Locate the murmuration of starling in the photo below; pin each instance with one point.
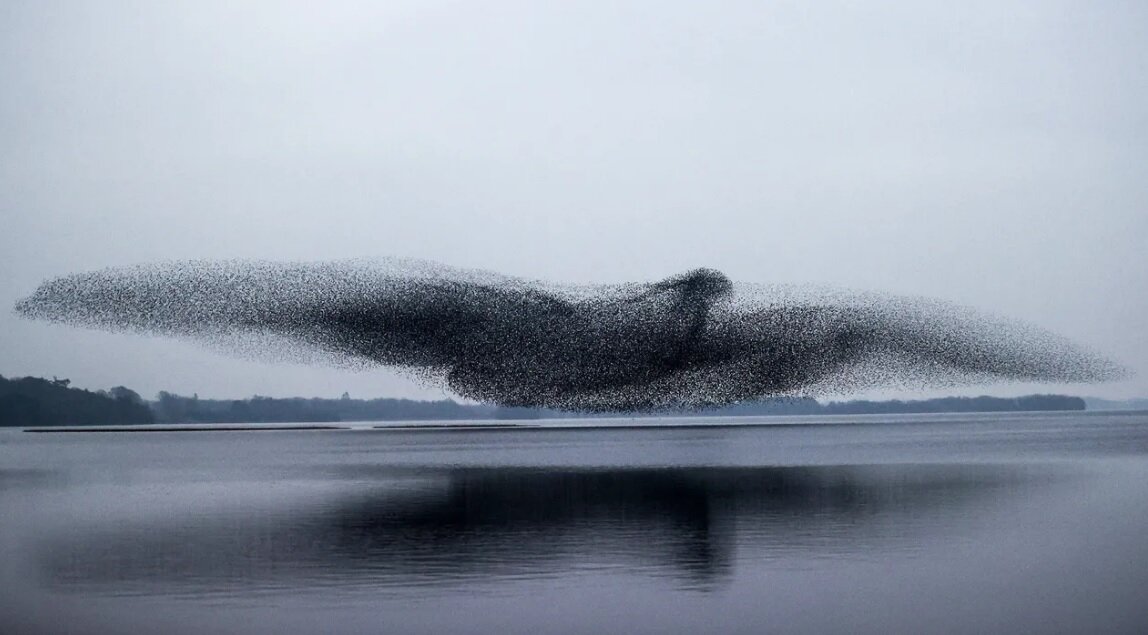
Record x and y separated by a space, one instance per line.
689 341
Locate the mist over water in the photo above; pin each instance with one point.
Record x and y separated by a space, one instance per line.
985 523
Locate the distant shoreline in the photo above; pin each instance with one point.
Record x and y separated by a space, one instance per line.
689 422
31 402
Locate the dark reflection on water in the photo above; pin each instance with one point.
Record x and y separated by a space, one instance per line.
978 525
473 526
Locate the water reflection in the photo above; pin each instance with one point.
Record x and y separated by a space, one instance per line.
445 528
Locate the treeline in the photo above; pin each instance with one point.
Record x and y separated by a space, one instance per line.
171 408
809 406
49 402
957 404
31 401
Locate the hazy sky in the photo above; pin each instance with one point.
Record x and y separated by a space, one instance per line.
994 154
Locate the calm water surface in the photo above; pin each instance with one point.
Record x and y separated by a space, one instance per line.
926 524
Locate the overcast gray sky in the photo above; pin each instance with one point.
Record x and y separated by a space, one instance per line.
993 154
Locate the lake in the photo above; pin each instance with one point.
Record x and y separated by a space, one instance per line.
997 523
